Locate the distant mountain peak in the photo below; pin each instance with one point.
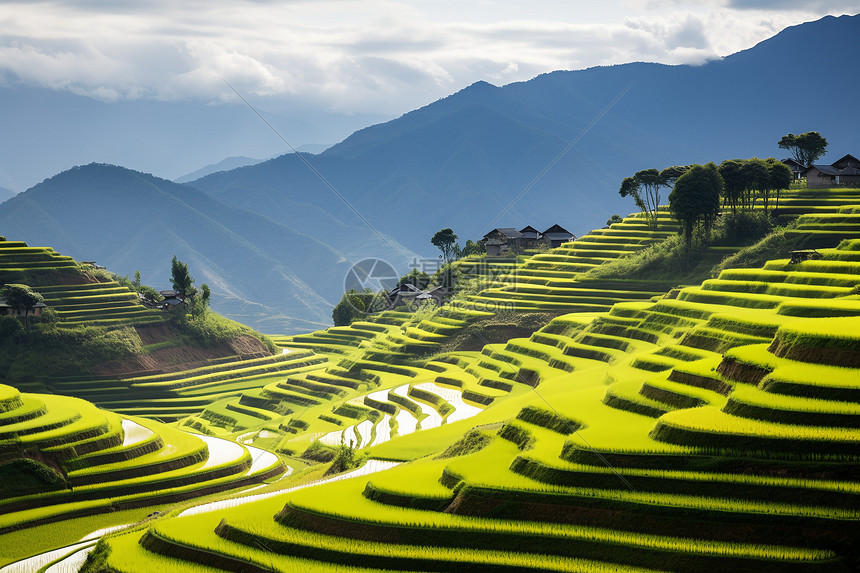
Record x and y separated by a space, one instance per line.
481 84
223 165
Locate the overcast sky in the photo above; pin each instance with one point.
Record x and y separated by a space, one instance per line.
369 56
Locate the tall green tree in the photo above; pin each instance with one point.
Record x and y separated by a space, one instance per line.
474 248
731 170
695 198
181 279
644 186
21 298
805 148
446 241
756 180
671 174
780 176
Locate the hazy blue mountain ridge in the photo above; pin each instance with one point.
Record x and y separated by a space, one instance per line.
262 272
274 234
459 161
223 165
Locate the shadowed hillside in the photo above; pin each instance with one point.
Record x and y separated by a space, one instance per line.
262 271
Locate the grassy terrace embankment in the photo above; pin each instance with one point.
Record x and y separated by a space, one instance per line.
100 342
70 289
62 457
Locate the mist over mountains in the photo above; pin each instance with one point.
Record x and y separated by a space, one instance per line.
223 165
274 239
461 161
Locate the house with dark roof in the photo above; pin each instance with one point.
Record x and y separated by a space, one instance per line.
796 168
532 238
556 235
407 294
502 241
844 172
508 241
171 298
7 310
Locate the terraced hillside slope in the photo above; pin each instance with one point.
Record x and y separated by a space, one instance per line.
553 281
97 338
62 457
715 428
371 358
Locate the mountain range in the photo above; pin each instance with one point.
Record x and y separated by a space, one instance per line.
463 160
261 271
223 165
550 150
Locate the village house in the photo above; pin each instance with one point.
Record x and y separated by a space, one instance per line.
503 241
171 299
796 168
556 235
35 310
508 241
844 172
408 294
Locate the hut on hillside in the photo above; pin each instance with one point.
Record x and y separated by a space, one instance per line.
556 235
7 310
844 172
502 241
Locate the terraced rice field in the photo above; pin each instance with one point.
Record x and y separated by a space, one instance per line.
170 396
103 303
549 281
60 280
63 457
715 427
711 427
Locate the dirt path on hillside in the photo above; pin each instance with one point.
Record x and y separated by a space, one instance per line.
179 357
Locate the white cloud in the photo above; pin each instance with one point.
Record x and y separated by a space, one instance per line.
381 56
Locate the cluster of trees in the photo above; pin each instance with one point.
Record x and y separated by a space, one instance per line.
745 180
446 241
698 193
645 187
741 181
183 284
698 190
